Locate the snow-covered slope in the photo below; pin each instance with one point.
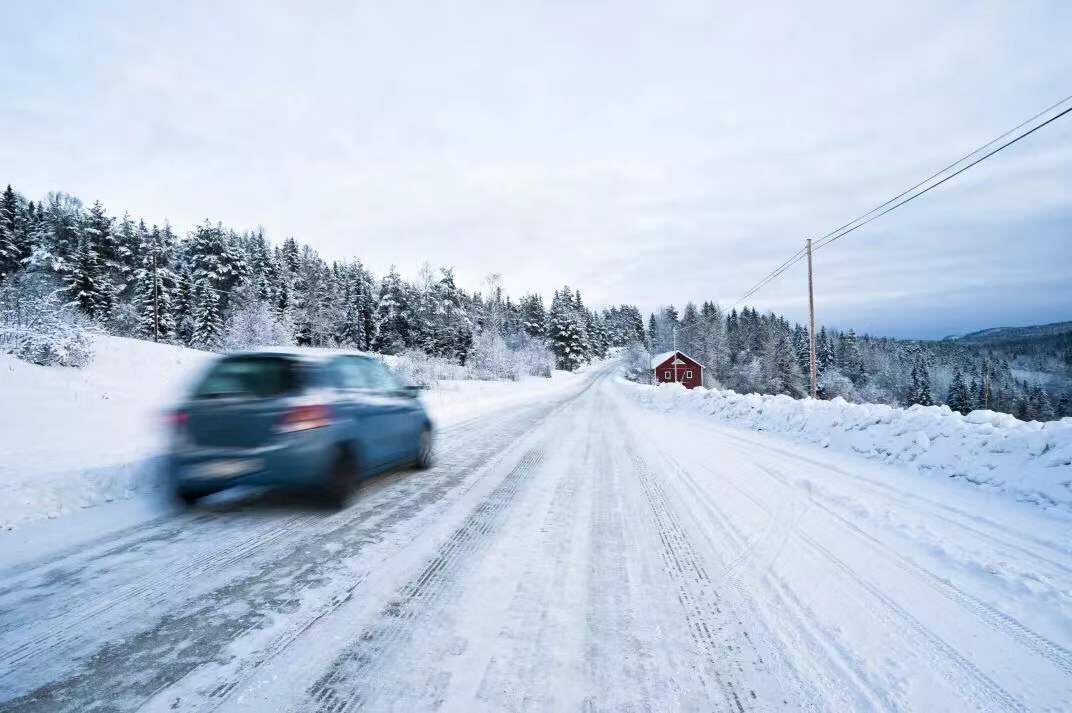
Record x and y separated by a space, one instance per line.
74 438
1029 461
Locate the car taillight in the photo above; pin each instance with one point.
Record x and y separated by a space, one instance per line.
175 425
176 420
305 418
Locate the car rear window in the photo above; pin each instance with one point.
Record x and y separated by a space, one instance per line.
251 376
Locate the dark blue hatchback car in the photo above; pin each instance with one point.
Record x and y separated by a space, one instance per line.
295 419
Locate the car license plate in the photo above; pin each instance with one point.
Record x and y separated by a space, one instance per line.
227 468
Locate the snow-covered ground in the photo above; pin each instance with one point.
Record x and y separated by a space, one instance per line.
72 439
1031 462
577 551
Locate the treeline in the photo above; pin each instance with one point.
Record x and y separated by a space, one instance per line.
216 288
64 267
765 353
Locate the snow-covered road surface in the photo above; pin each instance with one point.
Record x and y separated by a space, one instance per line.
583 553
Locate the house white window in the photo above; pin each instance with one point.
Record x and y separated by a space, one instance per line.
666 375
688 374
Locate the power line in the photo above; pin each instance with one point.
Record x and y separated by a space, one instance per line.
939 172
950 176
896 202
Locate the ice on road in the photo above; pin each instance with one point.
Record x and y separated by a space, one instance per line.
581 553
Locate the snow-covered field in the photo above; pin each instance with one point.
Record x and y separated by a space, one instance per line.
71 439
1031 462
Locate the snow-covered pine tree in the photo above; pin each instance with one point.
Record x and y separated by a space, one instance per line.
154 287
689 336
713 349
184 301
1041 406
207 318
598 342
12 232
533 316
452 330
581 315
921 384
87 284
781 370
351 329
958 398
261 266
850 361
291 255
392 315
565 332
802 351
129 237
97 229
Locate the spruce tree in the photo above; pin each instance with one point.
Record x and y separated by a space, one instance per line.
12 233
921 385
207 319
533 316
392 315
565 332
87 284
154 288
958 399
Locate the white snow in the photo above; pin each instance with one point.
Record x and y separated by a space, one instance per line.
76 438
1028 461
596 554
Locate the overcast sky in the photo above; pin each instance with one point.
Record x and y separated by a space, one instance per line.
647 152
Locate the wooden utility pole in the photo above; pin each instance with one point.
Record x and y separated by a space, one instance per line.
811 329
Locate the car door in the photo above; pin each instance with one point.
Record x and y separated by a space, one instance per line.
368 412
402 412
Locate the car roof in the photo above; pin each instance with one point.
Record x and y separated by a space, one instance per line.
309 354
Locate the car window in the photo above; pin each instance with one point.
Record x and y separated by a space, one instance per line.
354 374
383 379
250 376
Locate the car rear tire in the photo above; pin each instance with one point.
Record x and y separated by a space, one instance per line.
187 498
342 481
424 449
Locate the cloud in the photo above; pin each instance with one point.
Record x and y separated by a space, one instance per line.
647 153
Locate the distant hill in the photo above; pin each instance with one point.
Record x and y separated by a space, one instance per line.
1009 335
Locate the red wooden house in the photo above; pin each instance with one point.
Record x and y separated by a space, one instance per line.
677 367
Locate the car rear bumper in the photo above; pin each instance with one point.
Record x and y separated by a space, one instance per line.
300 461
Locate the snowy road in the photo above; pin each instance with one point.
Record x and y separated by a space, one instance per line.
581 554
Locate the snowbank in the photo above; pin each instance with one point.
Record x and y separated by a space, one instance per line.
1029 461
73 438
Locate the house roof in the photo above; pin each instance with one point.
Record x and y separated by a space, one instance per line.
660 358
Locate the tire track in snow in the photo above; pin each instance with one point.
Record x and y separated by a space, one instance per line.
518 677
995 618
619 659
984 691
78 622
697 596
862 689
916 502
387 506
351 679
487 458
854 684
